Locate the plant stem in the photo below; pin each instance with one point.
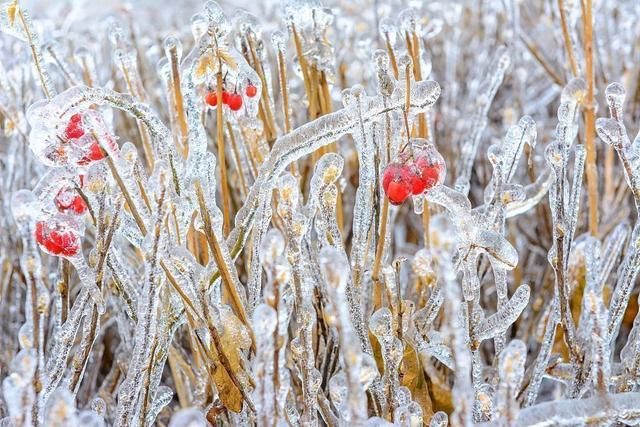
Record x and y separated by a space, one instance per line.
226 198
589 119
567 38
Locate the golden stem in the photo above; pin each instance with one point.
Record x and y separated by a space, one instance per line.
384 218
226 198
269 123
236 155
142 131
34 54
127 196
541 60
567 39
282 75
178 100
301 59
223 268
392 56
589 119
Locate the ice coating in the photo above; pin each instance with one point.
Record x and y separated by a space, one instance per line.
196 226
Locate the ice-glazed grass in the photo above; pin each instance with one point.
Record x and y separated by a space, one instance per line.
358 213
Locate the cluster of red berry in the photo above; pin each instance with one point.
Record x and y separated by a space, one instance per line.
412 176
74 133
232 100
58 234
57 237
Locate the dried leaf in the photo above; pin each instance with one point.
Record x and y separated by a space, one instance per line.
234 339
227 59
12 11
205 66
413 378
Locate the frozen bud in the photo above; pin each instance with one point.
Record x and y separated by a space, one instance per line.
609 131
173 47
288 189
483 405
405 64
409 22
279 41
615 95
329 168
380 324
99 406
25 336
439 419
554 155
218 21
388 30
574 91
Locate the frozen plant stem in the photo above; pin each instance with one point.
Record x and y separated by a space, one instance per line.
222 162
589 117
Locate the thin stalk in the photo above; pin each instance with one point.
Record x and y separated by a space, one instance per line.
590 118
178 99
269 123
226 197
284 88
223 268
236 155
35 54
567 39
392 56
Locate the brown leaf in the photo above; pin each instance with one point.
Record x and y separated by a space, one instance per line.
413 378
205 66
234 338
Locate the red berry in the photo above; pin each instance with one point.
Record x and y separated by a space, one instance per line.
225 97
397 182
68 200
93 154
251 90
57 238
418 185
235 101
74 128
211 98
428 172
